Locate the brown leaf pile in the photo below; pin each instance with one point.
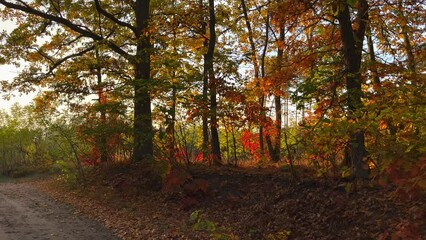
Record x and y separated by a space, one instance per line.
242 204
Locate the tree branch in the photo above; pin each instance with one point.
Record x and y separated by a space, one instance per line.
59 62
74 27
113 18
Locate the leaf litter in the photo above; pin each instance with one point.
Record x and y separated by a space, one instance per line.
234 203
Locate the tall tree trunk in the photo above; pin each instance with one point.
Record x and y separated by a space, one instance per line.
143 130
227 144
102 100
171 125
256 73
352 43
278 126
234 146
290 156
278 106
274 149
268 139
205 107
213 86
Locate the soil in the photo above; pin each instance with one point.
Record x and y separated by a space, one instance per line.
28 213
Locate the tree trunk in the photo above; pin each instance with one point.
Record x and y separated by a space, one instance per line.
256 74
171 132
275 149
278 116
352 43
227 145
171 126
290 156
205 113
213 86
234 146
143 131
102 100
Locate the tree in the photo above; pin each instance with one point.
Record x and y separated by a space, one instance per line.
127 38
209 67
275 149
23 146
205 112
209 60
253 56
352 43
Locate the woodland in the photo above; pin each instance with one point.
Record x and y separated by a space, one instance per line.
307 118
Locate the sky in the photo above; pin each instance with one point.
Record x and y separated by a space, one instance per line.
8 72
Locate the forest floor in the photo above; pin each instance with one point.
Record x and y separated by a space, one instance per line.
27 213
235 203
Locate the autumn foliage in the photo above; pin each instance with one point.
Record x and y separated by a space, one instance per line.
335 89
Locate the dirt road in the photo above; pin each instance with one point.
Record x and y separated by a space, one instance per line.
26 213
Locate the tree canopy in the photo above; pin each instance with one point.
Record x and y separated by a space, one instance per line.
338 85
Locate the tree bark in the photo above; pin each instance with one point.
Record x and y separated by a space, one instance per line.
352 43
213 86
205 98
143 131
275 148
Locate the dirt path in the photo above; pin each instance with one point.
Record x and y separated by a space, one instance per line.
26 213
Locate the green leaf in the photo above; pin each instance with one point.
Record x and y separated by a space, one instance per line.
209 226
195 215
409 149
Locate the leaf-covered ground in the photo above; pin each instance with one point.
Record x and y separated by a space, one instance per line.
227 203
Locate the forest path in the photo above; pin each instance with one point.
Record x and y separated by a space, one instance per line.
26 213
